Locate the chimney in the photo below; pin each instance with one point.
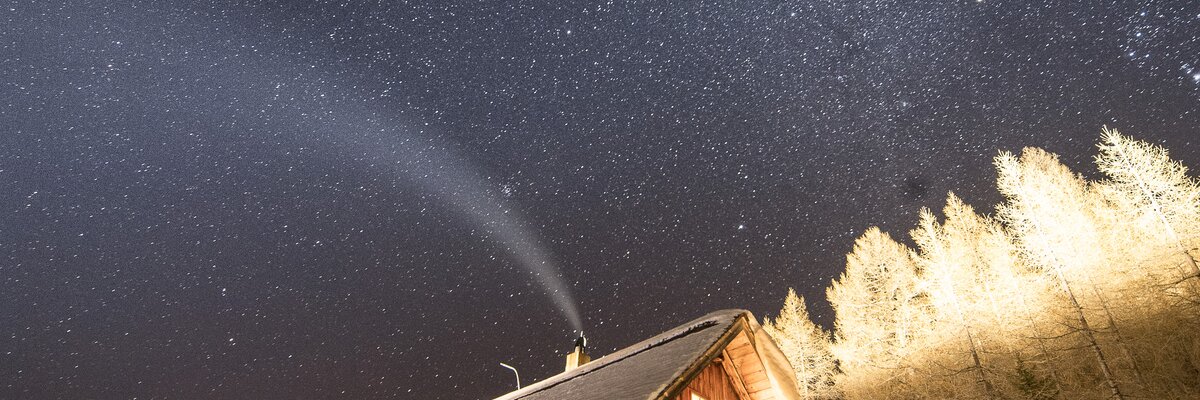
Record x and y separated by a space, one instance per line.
578 357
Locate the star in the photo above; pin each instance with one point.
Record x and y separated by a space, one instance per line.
298 172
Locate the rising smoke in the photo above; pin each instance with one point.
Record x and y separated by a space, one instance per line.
315 106
432 165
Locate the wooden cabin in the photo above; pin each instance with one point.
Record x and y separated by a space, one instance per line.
724 355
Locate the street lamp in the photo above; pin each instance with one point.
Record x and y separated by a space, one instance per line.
514 370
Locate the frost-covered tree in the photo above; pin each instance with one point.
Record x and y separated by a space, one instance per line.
1047 209
881 315
957 280
1153 226
1075 289
1153 193
983 294
807 347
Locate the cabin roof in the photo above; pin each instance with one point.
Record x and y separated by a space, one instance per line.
644 370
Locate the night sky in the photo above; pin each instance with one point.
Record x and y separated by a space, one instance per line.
263 199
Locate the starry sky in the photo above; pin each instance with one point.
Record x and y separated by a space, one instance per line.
265 199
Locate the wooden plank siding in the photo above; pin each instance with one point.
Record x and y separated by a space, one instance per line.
711 384
743 356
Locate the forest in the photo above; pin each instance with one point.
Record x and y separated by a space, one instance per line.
1072 289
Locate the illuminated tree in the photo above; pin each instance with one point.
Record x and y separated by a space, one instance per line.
1153 224
880 314
1047 210
1032 303
1153 193
957 279
806 346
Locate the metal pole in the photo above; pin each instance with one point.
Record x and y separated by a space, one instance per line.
514 370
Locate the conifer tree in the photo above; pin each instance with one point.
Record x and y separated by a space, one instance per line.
1016 295
1071 269
954 277
880 313
1153 192
807 347
1045 209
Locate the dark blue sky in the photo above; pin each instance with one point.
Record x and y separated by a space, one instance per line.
219 202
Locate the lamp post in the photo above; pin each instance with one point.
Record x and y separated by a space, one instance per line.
514 370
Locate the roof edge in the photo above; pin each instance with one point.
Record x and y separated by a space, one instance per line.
681 381
704 322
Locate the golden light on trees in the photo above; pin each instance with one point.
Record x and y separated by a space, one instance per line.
807 347
1153 194
1075 289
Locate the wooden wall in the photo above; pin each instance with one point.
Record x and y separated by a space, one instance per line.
711 384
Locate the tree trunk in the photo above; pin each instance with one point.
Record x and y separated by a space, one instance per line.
1091 338
1041 341
1191 262
1137 371
981 375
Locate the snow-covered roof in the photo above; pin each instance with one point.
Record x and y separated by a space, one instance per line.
641 371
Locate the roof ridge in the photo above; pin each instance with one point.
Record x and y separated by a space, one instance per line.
707 321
